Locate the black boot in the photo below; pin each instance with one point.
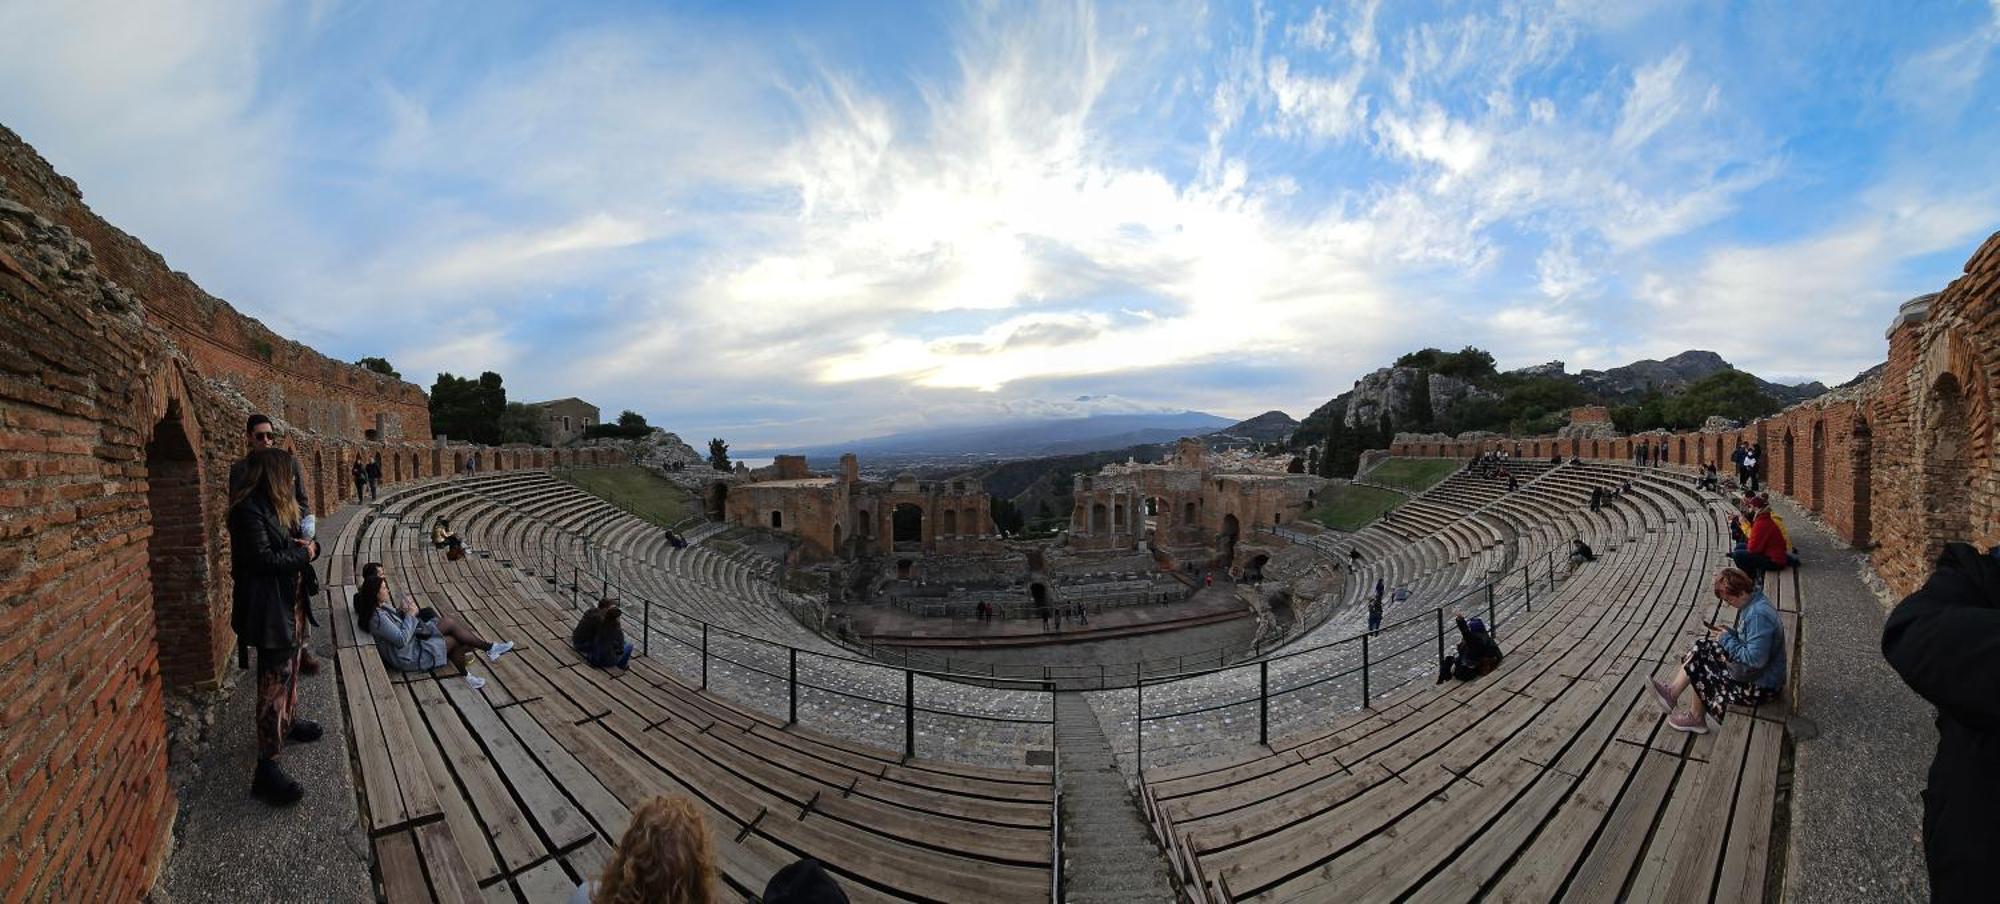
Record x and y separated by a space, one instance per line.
305 731
272 786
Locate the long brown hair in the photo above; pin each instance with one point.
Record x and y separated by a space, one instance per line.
665 856
269 472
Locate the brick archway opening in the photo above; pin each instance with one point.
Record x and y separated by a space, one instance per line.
1791 471
177 555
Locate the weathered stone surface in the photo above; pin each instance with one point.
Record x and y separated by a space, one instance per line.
1393 391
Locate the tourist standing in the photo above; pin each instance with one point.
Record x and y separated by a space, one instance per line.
375 476
271 571
359 473
1944 640
262 434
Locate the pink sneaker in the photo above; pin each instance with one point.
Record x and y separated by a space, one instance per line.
1692 723
1666 696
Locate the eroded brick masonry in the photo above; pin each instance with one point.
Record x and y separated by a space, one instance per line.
123 393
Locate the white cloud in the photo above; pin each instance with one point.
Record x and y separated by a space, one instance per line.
1654 101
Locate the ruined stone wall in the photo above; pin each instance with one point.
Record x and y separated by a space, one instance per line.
1901 464
117 428
276 375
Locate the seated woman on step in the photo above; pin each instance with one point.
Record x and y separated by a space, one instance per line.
1744 665
418 640
1477 652
443 538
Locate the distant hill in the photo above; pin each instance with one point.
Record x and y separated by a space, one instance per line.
1269 427
1416 394
1029 438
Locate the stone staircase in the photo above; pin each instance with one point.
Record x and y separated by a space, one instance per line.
1109 853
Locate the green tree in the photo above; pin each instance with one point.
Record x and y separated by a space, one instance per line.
467 408
380 366
632 419
1730 393
1006 517
718 454
1312 460
519 424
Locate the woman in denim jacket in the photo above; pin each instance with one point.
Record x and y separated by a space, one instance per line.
1744 665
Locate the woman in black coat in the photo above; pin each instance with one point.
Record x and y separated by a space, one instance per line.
1945 642
271 568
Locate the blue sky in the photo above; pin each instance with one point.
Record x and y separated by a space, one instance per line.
798 223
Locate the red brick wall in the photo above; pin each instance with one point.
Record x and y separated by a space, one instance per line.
115 444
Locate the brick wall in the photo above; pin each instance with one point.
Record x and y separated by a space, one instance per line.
118 423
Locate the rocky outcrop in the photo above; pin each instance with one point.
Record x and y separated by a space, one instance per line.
1400 391
1551 369
659 450
1628 383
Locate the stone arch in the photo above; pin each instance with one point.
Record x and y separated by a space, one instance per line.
1118 517
1790 445
184 627
837 538
1193 516
865 525
906 523
1230 526
1100 519
948 523
1947 465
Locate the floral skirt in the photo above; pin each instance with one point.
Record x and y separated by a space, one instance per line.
1708 671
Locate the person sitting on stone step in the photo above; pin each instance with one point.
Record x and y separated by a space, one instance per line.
418 640
1477 652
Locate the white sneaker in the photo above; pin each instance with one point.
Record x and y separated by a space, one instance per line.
500 648
475 682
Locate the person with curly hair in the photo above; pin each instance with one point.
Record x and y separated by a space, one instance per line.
665 856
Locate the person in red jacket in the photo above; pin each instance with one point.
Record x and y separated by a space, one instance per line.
1766 551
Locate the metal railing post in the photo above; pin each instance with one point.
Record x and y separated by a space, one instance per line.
909 714
1264 702
646 626
575 584
704 655
1139 730
1440 615
793 682
1527 590
1492 617
1366 697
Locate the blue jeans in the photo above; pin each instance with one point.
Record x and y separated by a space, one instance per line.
1752 564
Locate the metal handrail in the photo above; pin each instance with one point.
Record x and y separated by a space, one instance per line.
1264 693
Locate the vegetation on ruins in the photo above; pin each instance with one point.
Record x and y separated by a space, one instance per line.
467 408
1731 393
718 454
1349 506
378 365
631 425
1413 474
636 490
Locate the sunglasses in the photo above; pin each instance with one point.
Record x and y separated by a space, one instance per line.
264 436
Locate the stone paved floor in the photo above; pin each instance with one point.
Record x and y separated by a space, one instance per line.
1856 810
230 847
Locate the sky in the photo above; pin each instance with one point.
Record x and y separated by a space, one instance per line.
802 223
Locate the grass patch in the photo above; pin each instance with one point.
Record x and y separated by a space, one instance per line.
1413 474
636 490
1348 507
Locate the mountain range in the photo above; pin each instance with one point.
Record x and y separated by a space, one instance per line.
1030 438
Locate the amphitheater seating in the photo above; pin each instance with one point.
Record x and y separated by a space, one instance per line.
1552 778
520 788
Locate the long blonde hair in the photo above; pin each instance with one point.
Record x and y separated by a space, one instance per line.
269 471
664 857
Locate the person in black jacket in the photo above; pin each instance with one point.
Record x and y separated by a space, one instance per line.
1477 652
1944 640
271 566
